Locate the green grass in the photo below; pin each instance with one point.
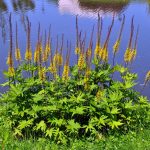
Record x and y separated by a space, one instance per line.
131 141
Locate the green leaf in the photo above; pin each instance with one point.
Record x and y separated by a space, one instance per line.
78 110
41 126
120 69
93 86
79 98
143 100
49 108
115 110
23 124
129 105
115 124
5 84
39 97
129 84
18 132
58 122
36 108
16 90
102 120
50 132
73 126
115 95
89 128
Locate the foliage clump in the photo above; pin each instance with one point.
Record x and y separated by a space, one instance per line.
85 100
76 108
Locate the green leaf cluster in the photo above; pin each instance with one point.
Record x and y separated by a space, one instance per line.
75 108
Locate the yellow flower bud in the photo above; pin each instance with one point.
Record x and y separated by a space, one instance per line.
81 61
28 55
147 78
77 50
127 55
97 50
42 73
116 47
11 71
65 74
17 54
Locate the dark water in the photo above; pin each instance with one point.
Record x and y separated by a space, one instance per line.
61 15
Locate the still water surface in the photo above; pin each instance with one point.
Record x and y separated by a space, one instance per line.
61 15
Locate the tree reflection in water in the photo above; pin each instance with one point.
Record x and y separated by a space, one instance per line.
23 5
3 6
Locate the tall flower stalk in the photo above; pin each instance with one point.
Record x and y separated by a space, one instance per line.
99 32
37 48
128 52
117 44
65 74
82 59
17 50
10 62
103 54
28 54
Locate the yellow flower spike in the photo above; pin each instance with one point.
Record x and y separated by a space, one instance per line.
60 60
55 58
65 75
28 55
89 52
40 47
88 72
127 55
46 53
42 73
97 50
101 53
11 71
104 55
130 56
134 53
17 54
44 58
48 49
53 68
147 78
77 50
36 55
9 60
17 50
81 61
86 78
116 46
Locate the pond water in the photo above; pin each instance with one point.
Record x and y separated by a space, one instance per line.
61 15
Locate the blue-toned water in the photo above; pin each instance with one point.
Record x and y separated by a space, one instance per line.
61 15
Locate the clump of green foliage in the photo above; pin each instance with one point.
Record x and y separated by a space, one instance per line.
63 109
62 102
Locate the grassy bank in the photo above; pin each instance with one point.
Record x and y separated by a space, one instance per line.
132 141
